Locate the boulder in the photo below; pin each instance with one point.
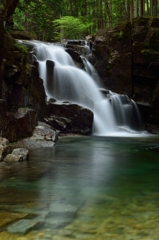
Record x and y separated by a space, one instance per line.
13 158
80 46
43 136
70 118
17 155
21 34
21 152
76 57
26 120
4 148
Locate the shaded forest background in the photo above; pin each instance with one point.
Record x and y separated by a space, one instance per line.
53 20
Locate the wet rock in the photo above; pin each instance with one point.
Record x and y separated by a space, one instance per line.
4 148
25 225
76 57
8 217
19 124
79 46
57 222
21 152
113 59
3 165
67 117
43 136
44 131
13 158
26 120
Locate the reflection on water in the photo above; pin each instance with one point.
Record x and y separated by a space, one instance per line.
84 188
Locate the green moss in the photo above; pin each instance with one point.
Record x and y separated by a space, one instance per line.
20 47
119 34
150 54
28 68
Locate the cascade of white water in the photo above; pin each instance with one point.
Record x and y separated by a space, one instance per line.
91 71
75 85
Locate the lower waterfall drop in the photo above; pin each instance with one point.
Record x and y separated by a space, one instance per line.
112 115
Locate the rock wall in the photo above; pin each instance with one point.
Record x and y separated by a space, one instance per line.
22 97
127 60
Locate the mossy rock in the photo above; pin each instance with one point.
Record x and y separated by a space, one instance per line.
8 42
19 34
141 21
155 23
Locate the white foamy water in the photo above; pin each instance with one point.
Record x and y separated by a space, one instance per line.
69 83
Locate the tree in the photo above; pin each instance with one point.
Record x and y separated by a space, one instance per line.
38 16
73 28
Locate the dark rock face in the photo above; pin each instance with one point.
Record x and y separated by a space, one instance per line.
26 120
22 92
76 57
78 46
19 124
113 58
126 59
70 118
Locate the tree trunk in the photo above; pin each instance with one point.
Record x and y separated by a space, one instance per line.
10 8
137 8
127 6
148 8
155 7
1 51
132 10
142 7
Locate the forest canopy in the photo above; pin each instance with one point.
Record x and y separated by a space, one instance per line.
56 19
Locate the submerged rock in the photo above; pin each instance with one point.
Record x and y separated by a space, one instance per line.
25 225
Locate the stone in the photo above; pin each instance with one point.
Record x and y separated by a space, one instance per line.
25 225
3 165
21 152
70 118
21 34
4 148
9 217
26 120
112 58
13 158
76 57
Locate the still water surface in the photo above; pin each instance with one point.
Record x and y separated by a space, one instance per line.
92 188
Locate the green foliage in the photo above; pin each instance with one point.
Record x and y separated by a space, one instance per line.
19 19
21 47
52 20
70 27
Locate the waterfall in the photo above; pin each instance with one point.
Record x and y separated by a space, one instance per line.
68 83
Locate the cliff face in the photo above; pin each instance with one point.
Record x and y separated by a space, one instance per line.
127 60
22 92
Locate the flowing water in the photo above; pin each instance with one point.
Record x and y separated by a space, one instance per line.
91 188
112 115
